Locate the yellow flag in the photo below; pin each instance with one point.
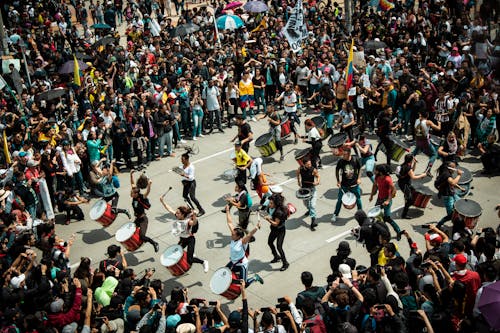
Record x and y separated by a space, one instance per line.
262 25
6 149
76 70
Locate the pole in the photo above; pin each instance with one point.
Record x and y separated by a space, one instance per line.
23 52
348 15
216 30
5 47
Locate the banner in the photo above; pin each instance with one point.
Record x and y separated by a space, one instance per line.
295 30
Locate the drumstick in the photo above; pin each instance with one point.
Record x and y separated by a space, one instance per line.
164 194
459 187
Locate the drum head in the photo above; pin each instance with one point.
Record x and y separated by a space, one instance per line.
468 208
318 121
221 280
125 232
435 140
276 189
301 153
263 139
423 190
98 209
348 198
466 176
374 212
400 143
171 256
303 193
337 140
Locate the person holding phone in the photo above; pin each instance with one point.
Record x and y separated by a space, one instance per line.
239 250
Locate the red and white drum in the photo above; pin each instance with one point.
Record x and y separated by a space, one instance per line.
285 128
175 260
222 283
468 211
129 236
421 197
301 154
102 212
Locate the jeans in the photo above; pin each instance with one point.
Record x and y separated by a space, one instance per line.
185 122
110 153
404 115
311 203
357 192
241 271
329 119
428 148
260 99
177 137
387 214
312 89
449 204
214 115
151 148
278 234
369 163
77 181
166 138
197 116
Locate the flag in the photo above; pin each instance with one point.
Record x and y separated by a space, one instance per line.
385 5
6 149
262 25
296 30
350 70
76 72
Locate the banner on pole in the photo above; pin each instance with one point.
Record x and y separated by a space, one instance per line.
295 30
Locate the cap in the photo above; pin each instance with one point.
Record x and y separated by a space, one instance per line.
434 238
57 305
186 328
345 270
16 281
234 319
460 259
32 163
3 171
22 154
344 247
466 48
173 320
455 48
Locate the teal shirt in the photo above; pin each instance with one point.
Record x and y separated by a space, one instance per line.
93 147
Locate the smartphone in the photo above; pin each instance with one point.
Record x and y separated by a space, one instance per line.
425 265
281 300
381 306
265 309
237 282
212 303
190 308
99 318
424 226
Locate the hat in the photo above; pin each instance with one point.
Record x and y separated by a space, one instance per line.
371 56
276 189
112 59
282 60
32 163
3 171
4 194
22 154
455 48
344 248
234 319
186 328
460 259
434 238
361 269
345 270
16 281
466 48
57 305
173 320
237 143
377 59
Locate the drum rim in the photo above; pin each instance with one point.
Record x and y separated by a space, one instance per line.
305 151
218 279
338 135
465 171
315 117
92 210
303 196
122 230
429 192
468 215
268 135
377 208
347 196
167 261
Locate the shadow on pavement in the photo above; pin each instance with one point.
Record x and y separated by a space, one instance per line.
221 241
297 222
132 259
259 266
94 236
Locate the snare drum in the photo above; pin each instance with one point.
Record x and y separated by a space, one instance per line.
285 128
222 283
467 210
376 213
299 155
102 212
291 208
129 236
399 148
266 144
421 197
304 193
320 124
464 182
175 260
349 200
336 142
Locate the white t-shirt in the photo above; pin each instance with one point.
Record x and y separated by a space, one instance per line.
189 171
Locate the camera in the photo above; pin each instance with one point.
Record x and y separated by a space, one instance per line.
212 303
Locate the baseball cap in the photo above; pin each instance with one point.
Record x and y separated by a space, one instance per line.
16 281
434 238
345 270
234 319
460 259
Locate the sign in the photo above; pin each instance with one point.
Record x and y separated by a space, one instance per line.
295 30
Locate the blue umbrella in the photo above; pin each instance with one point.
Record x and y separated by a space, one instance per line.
229 22
255 7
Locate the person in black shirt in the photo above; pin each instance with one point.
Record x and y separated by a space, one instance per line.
274 121
350 169
308 177
277 217
384 129
140 203
405 175
115 263
121 141
245 134
446 187
342 257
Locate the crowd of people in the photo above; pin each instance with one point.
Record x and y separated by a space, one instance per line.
422 70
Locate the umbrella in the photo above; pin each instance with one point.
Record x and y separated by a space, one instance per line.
489 304
100 26
104 41
84 56
185 29
232 5
69 66
374 44
50 94
255 7
229 22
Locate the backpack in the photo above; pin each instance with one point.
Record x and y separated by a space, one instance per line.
315 325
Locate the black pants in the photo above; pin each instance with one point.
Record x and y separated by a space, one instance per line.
189 194
76 211
270 93
142 222
408 194
114 202
190 242
277 234
122 150
387 142
315 151
241 176
243 218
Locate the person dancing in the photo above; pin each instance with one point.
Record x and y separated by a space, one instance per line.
308 178
238 252
274 121
189 185
422 139
187 223
406 174
314 139
108 185
140 203
446 183
278 213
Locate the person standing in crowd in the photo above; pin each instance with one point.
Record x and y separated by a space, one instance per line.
445 183
121 141
164 122
247 100
347 119
140 203
385 127
274 120
406 173
278 214
197 114
450 148
386 191
259 84
211 95
290 100
349 168
308 178
313 137
189 185
422 139
245 134
186 226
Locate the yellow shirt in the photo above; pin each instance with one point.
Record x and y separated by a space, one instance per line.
382 259
242 158
246 88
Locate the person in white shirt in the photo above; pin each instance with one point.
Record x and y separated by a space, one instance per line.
189 185
313 137
289 99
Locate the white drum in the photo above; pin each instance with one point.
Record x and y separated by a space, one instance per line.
222 283
349 200
376 213
129 236
102 212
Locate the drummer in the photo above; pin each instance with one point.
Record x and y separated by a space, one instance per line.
239 250
245 134
140 203
188 225
367 159
347 119
108 188
406 174
446 184
289 98
327 105
308 178
274 120
450 148
259 180
189 184
314 139
385 127
422 139
240 201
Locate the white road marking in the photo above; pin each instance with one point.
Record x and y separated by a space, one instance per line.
210 156
341 235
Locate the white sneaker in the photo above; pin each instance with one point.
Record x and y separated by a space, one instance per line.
202 136
254 119
334 218
205 266
182 141
194 138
